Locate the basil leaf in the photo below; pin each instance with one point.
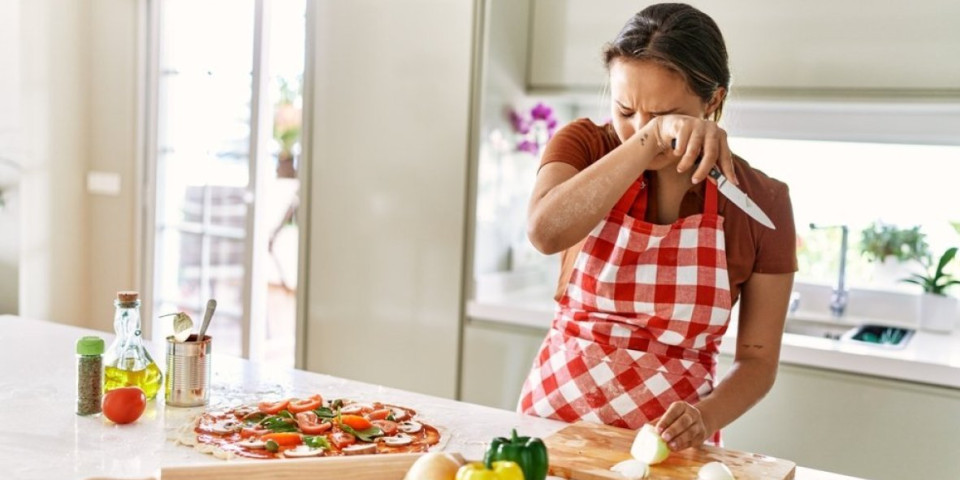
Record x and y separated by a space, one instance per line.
285 413
325 412
254 418
318 441
366 435
276 423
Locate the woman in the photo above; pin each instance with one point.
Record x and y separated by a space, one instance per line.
653 259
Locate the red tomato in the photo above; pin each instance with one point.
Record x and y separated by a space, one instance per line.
310 424
342 439
272 408
386 426
380 414
124 405
302 405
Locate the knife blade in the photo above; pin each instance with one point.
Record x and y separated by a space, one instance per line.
735 195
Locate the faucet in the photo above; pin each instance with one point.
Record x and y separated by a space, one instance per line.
840 297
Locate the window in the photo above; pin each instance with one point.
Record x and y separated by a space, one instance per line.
223 157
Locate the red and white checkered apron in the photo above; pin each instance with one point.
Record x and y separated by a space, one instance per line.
639 325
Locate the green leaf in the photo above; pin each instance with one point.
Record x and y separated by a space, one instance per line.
944 260
285 413
254 418
318 441
325 412
366 435
276 423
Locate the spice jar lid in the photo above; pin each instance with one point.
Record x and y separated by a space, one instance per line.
90 346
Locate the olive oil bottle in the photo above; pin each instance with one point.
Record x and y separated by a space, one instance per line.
127 363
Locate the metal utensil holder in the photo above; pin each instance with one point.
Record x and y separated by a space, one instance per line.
187 382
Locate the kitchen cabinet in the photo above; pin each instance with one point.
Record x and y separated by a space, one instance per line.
853 424
496 360
386 178
819 46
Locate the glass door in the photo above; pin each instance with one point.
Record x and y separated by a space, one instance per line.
222 151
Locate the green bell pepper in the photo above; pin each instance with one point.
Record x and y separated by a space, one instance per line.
529 453
504 470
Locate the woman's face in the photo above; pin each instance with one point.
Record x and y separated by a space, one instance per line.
641 90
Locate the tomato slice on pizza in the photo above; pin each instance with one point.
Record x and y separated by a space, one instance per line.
305 427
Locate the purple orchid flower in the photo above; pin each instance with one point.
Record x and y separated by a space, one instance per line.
520 124
528 146
541 112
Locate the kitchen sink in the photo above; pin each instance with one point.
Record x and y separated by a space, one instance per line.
816 328
875 335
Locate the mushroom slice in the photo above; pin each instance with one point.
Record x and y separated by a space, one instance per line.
399 414
410 427
398 440
302 451
252 443
360 449
226 426
355 408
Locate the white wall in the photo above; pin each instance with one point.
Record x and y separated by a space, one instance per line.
54 68
78 104
112 234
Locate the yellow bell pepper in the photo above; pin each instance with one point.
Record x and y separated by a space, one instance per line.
502 470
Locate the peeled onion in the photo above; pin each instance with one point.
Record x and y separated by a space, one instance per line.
632 469
434 466
715 471
649 447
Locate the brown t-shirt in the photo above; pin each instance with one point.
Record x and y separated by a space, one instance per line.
750 246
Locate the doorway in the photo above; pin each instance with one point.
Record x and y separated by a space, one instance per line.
224 109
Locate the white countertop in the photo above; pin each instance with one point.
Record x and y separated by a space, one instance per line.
930 358
41 437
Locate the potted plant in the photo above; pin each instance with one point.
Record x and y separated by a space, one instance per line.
891 248
938 311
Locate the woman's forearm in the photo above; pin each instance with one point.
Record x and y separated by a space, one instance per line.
564 213
747 383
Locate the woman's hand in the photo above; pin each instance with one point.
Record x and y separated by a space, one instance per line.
682 426
695 138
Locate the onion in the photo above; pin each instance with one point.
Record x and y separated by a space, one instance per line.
433 466
715 471
649 447
632 469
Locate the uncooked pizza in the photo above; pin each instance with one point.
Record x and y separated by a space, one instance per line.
309 427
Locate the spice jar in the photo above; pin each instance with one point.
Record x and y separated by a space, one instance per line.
89 375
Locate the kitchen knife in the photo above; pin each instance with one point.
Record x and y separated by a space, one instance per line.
735 195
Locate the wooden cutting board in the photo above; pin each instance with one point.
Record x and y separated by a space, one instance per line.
360 467
586 451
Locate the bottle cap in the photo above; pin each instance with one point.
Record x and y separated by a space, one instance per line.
127 297
90 346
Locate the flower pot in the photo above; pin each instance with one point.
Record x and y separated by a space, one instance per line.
891 271
938 313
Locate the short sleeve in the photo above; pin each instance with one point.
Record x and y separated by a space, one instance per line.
777 249
578 144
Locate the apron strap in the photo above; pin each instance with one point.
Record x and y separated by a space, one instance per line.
634 200
710 202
